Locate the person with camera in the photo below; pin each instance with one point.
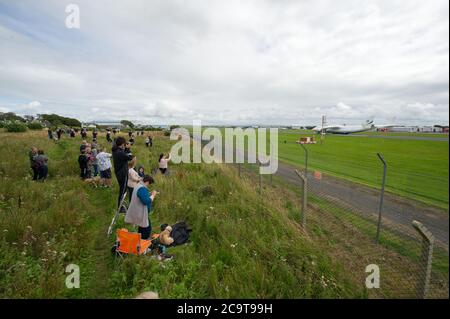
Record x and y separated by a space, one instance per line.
121 154
141 206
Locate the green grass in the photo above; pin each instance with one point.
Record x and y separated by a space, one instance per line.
242 246
416 169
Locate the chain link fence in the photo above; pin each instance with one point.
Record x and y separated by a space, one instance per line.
363 227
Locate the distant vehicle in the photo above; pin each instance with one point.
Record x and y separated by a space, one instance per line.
348 129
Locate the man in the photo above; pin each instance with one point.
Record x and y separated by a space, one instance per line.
140 207
108 136
121 155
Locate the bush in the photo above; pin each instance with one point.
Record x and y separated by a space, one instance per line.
35 125
15 126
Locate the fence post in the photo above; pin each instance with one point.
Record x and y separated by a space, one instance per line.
304 197
427 258
271 175
306 159
260 177
380 208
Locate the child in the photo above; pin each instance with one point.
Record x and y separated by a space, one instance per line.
147 141
141 171
83 162
94 161
32 155
104 165
90 163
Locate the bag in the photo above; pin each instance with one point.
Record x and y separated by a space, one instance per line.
180 233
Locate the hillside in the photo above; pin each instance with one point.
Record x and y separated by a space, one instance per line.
242 245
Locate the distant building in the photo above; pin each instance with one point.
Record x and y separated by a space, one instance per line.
109 124
407 129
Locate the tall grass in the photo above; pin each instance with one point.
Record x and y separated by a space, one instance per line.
242 245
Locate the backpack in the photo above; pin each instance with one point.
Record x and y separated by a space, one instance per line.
180 233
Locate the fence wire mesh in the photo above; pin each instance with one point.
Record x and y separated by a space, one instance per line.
342 217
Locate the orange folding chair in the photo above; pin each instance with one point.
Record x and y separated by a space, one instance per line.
131 243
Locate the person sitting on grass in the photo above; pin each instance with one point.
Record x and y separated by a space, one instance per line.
163 163
133 177
141 206
104 166
42 166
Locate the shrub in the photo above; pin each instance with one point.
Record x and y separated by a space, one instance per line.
35 125
15 126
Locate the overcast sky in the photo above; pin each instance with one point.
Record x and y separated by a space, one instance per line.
228 62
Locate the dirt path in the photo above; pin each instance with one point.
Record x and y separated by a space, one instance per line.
396 209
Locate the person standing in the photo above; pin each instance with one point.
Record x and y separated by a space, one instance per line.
163 163
32 156
133 177
104 166
108 136
121 154
141 206
42 166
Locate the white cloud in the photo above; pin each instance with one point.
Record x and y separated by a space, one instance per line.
228 61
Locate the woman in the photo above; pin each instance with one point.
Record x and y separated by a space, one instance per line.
42 166
163 163
141 206
133 177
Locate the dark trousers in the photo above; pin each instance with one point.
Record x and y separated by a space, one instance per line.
145 231
130 192
42 172
122 188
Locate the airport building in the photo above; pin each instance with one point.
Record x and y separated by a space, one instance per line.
418 129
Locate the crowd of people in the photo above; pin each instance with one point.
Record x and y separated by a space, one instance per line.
96 163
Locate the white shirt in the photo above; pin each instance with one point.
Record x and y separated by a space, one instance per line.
104 161
163 162
133 178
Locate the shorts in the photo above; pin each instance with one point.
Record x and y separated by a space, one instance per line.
106 174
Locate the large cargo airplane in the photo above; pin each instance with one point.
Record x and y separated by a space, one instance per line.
348 129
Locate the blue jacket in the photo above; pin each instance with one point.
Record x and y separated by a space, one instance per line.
144 196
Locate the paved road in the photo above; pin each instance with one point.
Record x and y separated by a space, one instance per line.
396 209
366 200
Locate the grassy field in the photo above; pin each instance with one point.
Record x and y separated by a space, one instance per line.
416 169
242 246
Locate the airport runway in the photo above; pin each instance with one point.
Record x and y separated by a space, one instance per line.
444 138
396 209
